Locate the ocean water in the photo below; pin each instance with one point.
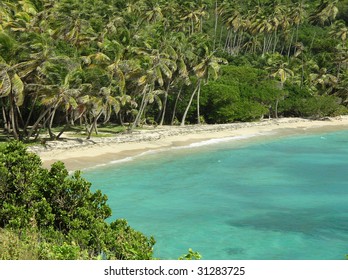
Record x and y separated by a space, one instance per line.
284 198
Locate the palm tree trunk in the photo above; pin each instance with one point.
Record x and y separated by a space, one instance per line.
53 113
198 97
275 41
220 39
94 125
89 131
269 44
188 106
34 127
216 24
20 115
120 116
175 105
6 120
30 114
289 49
235 40
264 45
277 102
66 126
141 109
303 72
164 104
240 41
12 117
72 118
227 39
13 123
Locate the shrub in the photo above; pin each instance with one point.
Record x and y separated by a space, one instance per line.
68 219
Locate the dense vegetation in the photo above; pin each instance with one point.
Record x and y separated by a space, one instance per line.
46 214
92 62
66 63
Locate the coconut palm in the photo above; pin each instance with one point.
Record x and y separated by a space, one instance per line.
342 88
149 95
325 12
208 66
278 69
339 30
12 88
194 16
57 91
323 81
102 104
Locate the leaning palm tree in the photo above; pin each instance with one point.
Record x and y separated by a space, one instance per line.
340 31
12 88
207 67
104 103
146 85
54 94
325 12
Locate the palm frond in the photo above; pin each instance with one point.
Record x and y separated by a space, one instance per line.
5 86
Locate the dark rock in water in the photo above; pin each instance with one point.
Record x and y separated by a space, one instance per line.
233 251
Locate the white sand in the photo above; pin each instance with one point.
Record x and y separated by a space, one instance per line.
80 154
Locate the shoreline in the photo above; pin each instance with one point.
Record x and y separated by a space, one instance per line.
79 154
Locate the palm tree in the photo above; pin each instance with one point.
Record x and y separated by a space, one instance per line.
297 14
342 88
149 94
194 16
325 12
153 14
207 66
12 88
58 90
339 30
102 104
166 65
323 81
278 69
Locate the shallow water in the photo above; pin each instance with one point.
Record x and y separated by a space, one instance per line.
282 199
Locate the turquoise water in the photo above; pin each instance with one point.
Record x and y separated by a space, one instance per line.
283 199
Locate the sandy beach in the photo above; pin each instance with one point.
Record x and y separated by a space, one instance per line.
78 153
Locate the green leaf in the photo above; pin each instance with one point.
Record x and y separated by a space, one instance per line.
5 87
166 71
25 68
73 103
142 80
159 77
18 89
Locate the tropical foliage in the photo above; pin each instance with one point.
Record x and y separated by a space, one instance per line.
47 214
89 63
130 62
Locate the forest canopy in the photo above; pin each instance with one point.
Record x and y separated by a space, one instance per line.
93 62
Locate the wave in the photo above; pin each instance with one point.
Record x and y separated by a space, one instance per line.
189 146
220 140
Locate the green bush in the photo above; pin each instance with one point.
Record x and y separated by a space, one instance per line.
313 107
67 218
242 93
